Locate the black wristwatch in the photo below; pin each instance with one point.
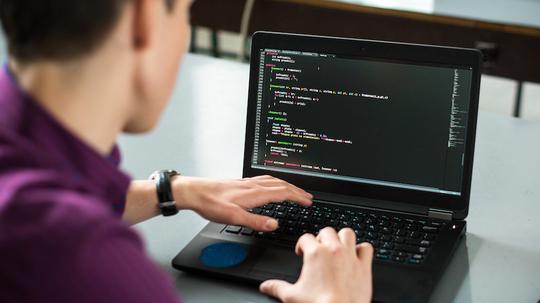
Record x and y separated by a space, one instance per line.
166 202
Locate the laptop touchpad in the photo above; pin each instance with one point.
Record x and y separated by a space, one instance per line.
277 263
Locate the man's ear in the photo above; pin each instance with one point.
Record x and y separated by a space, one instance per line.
143 23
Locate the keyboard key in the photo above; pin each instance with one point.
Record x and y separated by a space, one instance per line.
331 222
373 242
384 223
357 219
344 224
255 210
305 218
384 251
425 243
398 259
247 231
359 226
382 257
417 257
372 235
344 217
282 208
430 229
411 227
386 238
398 225
292 210
413 261
291 222
386 230
400 240
410 249
280 214
401 254
387 245
401 232
267 212
429 237
413 234
233 229
419 242
304 225
373 228
292 216
290 230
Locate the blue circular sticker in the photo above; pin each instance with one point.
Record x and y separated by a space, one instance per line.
223 255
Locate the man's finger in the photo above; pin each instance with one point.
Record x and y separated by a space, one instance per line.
253 221
365 252
305 243
276 288
328 235
347 237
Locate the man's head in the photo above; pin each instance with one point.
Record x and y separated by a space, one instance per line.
148 36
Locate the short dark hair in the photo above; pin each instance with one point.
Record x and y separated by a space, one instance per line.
58 29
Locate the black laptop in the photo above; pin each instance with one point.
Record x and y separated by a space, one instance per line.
381 133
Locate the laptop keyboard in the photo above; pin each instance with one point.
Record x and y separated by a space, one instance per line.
395 239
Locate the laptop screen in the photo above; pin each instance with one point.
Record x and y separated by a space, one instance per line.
388 123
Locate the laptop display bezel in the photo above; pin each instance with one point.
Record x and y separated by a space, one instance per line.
420 54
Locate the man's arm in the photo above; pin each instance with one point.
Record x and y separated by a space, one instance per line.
141 202
222 201
107 263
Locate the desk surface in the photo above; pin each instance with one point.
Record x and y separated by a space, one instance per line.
514 12
204 129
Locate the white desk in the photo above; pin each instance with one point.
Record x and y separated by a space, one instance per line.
202 134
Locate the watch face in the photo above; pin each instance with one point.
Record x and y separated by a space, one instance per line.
170 172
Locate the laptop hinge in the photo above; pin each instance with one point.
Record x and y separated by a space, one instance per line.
440 214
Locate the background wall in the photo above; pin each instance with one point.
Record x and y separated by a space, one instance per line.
496 94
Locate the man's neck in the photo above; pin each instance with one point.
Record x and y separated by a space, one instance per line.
88 97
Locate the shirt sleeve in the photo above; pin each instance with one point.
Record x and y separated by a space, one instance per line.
109 265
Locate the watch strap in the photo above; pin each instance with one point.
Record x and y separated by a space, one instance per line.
166 202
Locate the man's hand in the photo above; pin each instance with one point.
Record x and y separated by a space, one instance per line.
335 270
227 201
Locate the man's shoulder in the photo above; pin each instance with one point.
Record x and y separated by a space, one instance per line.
36 198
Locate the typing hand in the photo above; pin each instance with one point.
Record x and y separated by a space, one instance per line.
335 270
227 201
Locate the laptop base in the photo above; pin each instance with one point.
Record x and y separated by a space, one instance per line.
274 260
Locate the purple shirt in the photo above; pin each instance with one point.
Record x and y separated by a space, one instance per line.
61 236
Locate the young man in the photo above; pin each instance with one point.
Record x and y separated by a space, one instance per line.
81 72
